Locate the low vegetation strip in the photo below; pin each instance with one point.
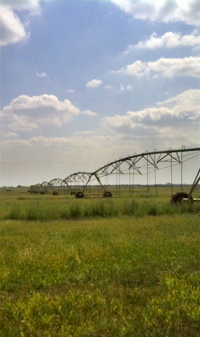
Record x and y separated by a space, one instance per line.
49 211
100 277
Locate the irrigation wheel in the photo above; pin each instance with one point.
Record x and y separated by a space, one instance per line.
178 197
79 195
107 194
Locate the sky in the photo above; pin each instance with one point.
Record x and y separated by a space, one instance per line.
84 83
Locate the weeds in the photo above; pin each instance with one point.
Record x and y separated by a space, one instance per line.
101 277
123 267
92 209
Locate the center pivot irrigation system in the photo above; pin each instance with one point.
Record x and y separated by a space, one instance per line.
123 172
187 197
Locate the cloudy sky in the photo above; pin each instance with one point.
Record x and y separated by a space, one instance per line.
86 82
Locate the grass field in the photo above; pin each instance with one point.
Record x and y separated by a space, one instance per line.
120 267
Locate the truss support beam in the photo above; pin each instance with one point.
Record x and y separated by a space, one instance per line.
195 183
123 166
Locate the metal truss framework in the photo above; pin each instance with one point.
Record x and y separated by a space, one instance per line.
58 184
138 164
152 159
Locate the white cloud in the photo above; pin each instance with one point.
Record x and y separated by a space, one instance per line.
9 135
21 4
85 133
28 113
94 83
168 40
173 121
42 75
129 87
108 87
89 113
138 69
186 103
126 88
171 118
187 11
166 67
71 91
12 30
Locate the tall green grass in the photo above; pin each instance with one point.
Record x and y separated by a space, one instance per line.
92 209
101 277
128 267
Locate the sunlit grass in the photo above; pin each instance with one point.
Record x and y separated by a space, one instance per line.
20 205
120 267
106 277
76 209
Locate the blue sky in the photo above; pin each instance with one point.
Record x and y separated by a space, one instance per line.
86 82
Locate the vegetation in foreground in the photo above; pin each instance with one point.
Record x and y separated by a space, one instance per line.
100 277
121 267
102 209
23 206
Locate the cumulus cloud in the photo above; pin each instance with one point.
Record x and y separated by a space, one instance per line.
11 29
94 83
129 87
187 11
71 91
168 40
42 75
89 113
108 87
9 135
20 4
172 121
28 113
166 67
171 117
126 88
185 105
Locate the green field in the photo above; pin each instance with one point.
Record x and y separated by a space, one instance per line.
120 267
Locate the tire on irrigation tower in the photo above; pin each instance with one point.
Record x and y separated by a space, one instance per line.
55 193
79 195
107 194
179 196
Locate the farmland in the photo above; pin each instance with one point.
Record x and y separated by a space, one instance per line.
118 267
